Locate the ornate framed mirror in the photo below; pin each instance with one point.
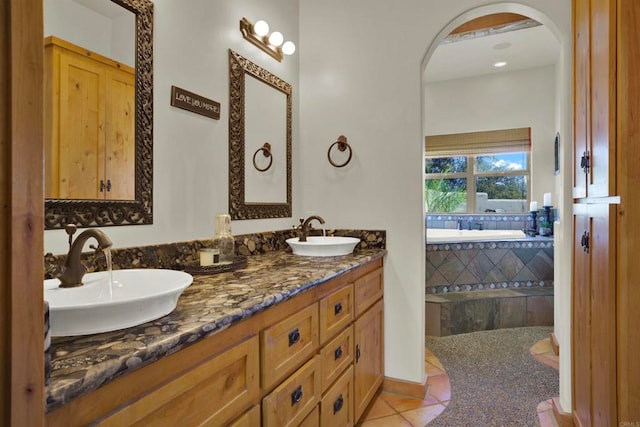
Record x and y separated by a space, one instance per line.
134 206
259 116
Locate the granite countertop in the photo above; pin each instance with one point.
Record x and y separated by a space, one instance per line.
211 304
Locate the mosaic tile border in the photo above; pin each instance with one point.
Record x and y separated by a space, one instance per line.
490 286
496 221
176 255
535 243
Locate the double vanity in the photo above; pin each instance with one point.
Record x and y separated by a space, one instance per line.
288 339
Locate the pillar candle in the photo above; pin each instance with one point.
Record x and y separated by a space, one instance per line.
533 206
547 199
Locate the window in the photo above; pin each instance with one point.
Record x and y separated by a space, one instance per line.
478 172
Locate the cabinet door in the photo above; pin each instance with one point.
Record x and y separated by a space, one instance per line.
581 89
581 335
594 315
602 180
120 153
594 98
81 139
211 393
369 357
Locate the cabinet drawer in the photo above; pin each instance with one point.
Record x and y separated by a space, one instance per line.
367 289
292 400
212 393
336 312
250 418
313 419
336 407
285 345
335 357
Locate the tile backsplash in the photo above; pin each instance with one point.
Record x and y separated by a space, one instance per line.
488 221
176 255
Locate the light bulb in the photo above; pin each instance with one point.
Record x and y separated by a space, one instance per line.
288 48
276 38
261 28
499 64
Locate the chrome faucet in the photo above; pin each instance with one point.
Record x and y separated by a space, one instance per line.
73 269
305 226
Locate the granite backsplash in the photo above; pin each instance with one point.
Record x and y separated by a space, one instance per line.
177 255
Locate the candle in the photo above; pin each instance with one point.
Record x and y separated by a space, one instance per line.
209 257
533 206
547 199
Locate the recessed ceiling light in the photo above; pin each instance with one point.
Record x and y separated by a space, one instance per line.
499 64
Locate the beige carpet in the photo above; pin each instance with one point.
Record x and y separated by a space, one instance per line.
494 379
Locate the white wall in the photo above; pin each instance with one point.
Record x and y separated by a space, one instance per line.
361 64
190 152
503 100
82 26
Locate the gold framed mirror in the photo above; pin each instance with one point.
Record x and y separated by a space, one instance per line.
259 114
133 207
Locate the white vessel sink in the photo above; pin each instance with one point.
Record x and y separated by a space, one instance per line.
100 305
323 246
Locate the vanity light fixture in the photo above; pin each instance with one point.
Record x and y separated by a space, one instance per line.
258 34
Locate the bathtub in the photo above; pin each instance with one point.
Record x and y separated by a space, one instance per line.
441 235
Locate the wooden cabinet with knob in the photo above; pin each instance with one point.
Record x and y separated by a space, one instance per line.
271 368
89 124
606 222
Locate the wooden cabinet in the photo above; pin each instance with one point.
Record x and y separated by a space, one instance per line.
336 408
336 312
89 124
291 402
369 360
269 369
594 98
605 295
250 418
186 400
594 302
287 344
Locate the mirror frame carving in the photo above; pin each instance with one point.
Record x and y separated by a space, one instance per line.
238 207
88 213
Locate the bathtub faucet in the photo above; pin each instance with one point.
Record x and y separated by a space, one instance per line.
469 226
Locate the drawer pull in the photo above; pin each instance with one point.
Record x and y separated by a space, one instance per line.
337 405
338 353
357 353
296 396
337 308
294 337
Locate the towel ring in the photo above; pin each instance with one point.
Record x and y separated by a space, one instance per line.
266 151
342 146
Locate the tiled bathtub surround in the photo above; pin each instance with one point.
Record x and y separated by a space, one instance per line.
489 221
176 255
474 266
464 312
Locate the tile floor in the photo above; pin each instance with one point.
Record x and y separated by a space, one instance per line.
393 410
543 352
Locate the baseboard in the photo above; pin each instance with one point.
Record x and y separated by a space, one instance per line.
554 344
407 388
563 419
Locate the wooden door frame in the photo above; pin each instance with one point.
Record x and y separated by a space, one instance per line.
21 213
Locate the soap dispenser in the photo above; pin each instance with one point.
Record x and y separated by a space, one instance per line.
223 239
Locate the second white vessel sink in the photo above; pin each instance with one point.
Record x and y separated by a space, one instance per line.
323 245
130 298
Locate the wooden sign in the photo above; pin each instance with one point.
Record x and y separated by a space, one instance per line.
195 103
